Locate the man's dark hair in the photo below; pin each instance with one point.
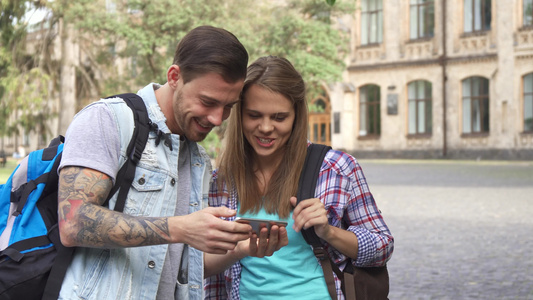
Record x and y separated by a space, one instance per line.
208 49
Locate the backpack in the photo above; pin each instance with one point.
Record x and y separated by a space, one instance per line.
33 262
361 283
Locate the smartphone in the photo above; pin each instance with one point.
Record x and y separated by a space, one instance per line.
257 224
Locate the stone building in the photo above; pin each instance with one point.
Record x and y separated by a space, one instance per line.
428 79
433 79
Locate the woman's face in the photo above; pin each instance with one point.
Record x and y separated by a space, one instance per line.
267 121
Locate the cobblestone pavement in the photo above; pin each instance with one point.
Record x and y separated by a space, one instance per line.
463 229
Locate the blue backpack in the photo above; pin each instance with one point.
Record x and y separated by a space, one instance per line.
33 261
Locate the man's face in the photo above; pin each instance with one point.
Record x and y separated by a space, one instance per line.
203 103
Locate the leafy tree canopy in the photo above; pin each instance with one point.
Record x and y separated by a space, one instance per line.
148 31
140 36
23 84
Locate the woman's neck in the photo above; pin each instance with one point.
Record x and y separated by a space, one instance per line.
264 168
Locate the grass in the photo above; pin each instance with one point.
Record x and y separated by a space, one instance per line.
6 171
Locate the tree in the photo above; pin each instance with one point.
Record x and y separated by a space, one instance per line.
130 43
23 83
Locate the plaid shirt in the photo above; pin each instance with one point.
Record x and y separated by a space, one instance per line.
343 189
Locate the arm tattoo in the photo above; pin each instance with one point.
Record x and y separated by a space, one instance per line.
81 193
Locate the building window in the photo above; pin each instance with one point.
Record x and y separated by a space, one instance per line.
477 15
371 22
369 111
528 103
528 13
133 65
336 122
422 19
26 139
111 6
475 105
419 103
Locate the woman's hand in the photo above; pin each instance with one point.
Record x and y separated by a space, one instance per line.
263 244
256 246
311 212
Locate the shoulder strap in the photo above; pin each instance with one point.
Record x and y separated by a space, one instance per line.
123 182
306 189
134 151
307 184
373 281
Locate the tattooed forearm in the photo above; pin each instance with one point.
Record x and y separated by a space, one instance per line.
105 228
84 222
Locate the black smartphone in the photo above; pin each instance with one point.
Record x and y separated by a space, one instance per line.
257 224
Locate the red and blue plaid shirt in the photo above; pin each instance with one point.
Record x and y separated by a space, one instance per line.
343 189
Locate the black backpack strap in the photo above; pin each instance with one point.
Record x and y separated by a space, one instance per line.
306 189
123 182
134 151
21 194
307 184
59 268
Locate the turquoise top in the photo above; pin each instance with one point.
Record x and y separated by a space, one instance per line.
291 273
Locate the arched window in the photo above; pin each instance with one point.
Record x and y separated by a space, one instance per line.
369 110
320 105
528 103
475 105
320 120
419 105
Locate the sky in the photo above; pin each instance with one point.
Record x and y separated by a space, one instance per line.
35 15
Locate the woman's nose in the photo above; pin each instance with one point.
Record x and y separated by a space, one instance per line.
266 126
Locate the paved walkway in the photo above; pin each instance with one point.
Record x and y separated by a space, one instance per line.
463 230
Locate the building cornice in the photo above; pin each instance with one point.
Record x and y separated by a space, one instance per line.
423 62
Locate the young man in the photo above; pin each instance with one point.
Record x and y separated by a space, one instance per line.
163 211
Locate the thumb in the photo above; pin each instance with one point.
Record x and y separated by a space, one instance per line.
222 211
294 201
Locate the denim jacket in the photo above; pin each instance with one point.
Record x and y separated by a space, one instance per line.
134 273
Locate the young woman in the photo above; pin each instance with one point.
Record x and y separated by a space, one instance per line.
258 173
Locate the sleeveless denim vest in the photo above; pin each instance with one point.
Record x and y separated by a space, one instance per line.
134 273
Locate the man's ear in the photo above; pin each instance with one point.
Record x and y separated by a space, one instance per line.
173 76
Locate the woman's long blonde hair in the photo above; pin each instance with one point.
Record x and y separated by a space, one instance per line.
235 162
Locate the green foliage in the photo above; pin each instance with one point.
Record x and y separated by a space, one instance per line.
25 96
316 108
23 84
212 144
10 17
149 30
140 36
302 32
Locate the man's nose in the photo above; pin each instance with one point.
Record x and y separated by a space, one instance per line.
217 115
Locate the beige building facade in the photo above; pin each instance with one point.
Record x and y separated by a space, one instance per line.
433 79
424 79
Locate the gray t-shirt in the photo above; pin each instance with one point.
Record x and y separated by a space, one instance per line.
173 259
92 141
